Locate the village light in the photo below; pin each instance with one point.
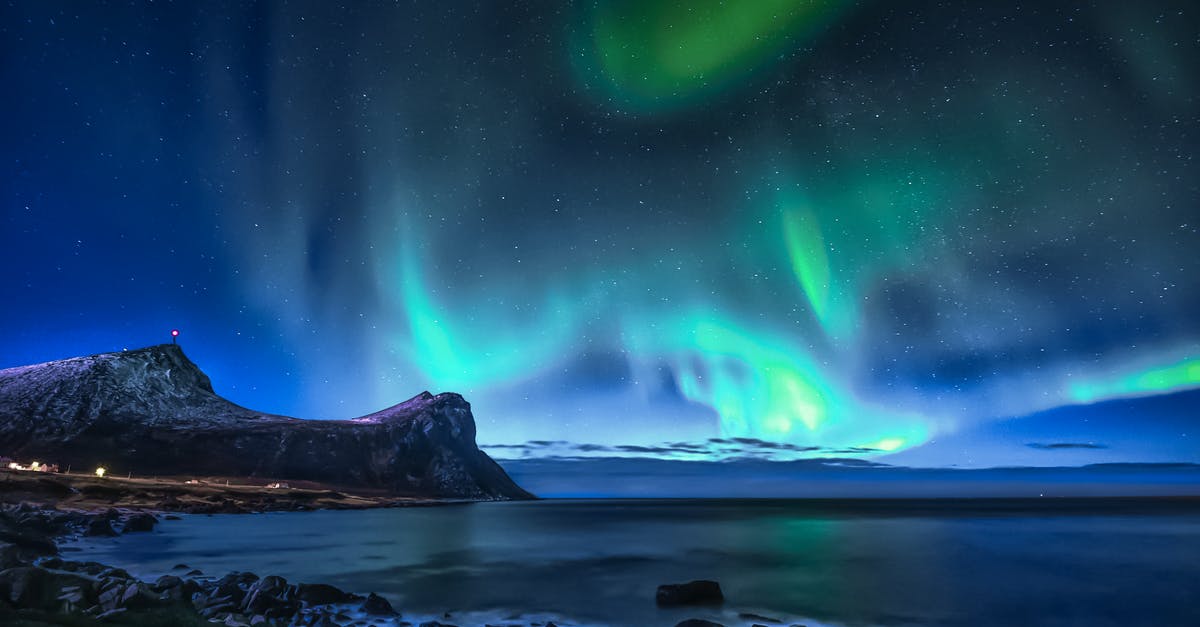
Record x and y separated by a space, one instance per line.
100 471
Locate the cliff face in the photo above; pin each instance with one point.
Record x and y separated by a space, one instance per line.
153 412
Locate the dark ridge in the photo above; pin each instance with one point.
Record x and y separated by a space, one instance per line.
151 411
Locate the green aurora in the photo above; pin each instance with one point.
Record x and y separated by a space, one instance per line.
661 54
829 237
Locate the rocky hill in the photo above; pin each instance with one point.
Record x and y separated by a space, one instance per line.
153 412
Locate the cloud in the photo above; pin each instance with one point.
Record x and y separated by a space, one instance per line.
1057 446
712 449
831 478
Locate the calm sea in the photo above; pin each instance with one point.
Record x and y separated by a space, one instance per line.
599 562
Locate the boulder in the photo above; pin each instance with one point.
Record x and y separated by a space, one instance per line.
140 522
100 527
37 588
165 582
264 594
376 605
700 592
322 594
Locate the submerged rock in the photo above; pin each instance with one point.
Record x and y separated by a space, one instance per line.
700 592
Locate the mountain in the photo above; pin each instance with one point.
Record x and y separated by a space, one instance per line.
152 411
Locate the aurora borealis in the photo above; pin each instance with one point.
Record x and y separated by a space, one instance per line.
831 225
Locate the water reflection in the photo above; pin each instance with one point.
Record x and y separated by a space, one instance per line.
600 562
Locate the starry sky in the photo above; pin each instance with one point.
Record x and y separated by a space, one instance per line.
940 234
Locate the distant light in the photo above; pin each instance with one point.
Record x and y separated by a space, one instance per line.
174 332
100 471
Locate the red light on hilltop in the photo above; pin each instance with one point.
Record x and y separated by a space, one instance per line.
174 334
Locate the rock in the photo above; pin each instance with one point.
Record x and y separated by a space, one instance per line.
232 587
53 563
434 623
216 607
10 556
110 594
322 594
758 617
37 588
100 527
96 569
71 595
700 592
167 581
141 522
104 616
698 622
264 594
376 605
234 620
138 595
119 573
26 539
189 587
284 610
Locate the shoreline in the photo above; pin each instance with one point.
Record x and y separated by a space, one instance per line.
202 495
41 586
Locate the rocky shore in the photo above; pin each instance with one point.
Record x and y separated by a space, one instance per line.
40 586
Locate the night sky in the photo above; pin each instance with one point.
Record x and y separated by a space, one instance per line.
959 234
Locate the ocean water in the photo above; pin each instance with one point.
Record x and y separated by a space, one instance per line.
816 563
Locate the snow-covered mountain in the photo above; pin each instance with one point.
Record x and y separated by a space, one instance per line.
152 411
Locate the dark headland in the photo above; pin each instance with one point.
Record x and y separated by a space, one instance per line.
152 415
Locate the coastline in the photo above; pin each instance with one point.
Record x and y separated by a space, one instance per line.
46 578
203 495
41 586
